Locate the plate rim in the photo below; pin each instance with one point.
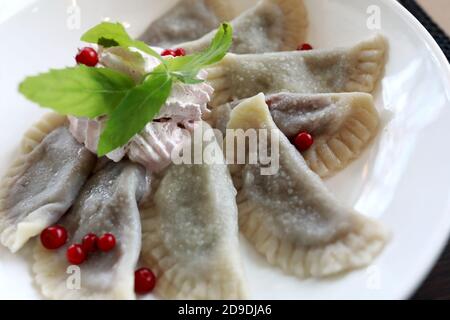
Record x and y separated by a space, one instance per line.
424 271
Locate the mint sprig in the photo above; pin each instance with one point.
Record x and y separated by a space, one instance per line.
139 106
108 34
186 68
92 92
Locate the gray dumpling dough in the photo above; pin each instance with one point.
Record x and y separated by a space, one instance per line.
41 186
190 234
351 69
271 25
188 20
342 125
108 203
291 218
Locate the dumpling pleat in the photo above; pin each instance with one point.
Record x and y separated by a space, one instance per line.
343 125
353 123
177 282
295 24
368 59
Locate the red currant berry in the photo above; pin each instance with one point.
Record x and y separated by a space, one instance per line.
87 56
54 237
168 52
303 141
75 254
180 52
89 243
106 242
304 47
144 281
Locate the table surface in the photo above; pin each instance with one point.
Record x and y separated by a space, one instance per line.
439 10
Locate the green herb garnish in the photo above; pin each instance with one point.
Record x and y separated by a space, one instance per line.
80 91
91 92
140 105
108 34
186 68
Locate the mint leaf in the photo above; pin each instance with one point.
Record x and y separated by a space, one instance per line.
145 48
107 43
78 91
137 108
107 31
110 34
91 92
188 67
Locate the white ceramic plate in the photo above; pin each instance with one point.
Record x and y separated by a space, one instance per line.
403 179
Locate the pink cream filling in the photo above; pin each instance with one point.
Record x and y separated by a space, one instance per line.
154 145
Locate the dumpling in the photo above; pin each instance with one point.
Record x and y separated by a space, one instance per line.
108 203
355 69
272 25
190 233
42 183
291 218
189 20
342 125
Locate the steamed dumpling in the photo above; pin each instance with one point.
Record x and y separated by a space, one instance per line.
189 20
342 125
272 25
108 203
42 183
190 233
291 218
354 69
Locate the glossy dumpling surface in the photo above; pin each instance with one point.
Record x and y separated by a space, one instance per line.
272 25
291 218
108 203
354 69
42 183
189 20
342 124
190 234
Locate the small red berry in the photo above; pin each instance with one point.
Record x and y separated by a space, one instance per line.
54 237
168 52
303 141
144 281
87 56
106 242
304 47
89 243
75 254
180 52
